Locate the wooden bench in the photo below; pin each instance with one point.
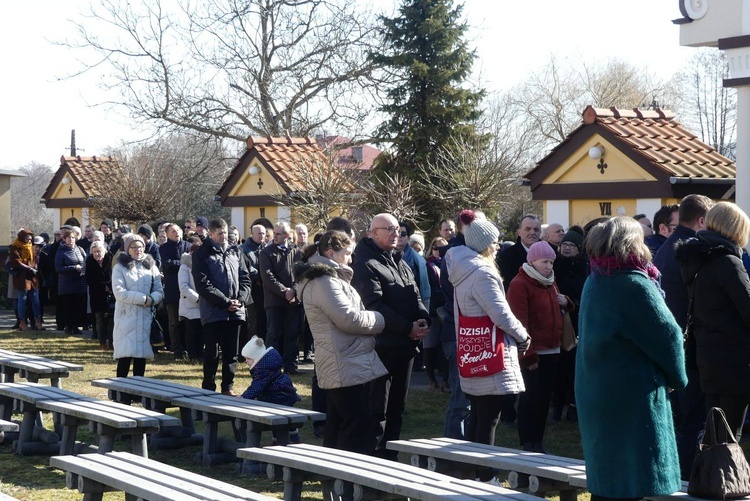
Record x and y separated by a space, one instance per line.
157 395
70 410
33 368
249 418
7 426
541 473
139 478
357 476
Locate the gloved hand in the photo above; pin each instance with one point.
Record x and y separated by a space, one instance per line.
524 345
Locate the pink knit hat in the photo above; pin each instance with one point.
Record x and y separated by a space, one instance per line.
540 250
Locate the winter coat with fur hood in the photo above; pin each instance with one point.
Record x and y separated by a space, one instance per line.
343 330
189 298
478 291
132 282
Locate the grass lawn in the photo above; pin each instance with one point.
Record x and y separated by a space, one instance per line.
31 478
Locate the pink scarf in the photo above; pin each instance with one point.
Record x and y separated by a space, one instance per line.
606 265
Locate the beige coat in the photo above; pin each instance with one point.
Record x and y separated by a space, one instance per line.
344 332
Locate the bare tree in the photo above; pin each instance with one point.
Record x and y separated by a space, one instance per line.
173 177
395 195
553 97
329 190
25 193
706 106
226 67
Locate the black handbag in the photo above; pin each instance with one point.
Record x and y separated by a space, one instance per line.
720 470
157 332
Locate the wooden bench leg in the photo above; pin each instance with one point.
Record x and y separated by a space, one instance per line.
107 436
292 484
69 432
140 444
518 480
26 431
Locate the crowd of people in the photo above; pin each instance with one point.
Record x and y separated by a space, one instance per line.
661 313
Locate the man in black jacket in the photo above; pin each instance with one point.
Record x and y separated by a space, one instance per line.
386 284
688 404
256 315
223 285
171 252
513 257
283 309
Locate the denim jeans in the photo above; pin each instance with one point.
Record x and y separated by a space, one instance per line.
35 306
457 412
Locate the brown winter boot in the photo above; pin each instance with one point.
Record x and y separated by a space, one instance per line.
22 326
38 325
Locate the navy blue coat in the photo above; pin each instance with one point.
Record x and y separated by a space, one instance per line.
671 276
269 383
70 280
170 254
220 275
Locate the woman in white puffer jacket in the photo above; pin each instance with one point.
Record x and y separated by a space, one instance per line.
344 334
136 284
189 308
478 292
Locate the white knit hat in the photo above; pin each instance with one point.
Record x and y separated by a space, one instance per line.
478 233
255 349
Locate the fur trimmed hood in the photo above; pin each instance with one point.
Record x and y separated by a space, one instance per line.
124 259
319 266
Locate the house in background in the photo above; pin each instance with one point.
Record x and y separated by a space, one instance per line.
626 162
74 183
362 156
267 171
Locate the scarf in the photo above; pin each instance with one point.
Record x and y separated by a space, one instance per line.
27 251
545 281
606 265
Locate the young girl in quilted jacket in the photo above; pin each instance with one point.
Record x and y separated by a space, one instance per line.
270 384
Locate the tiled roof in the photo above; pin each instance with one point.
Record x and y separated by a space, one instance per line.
88 172
361 157
663 141
285 156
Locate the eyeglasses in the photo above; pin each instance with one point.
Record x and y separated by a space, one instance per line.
389 229
568 244
279 234
137 246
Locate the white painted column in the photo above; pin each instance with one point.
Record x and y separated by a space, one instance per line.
285 214
237 217
648 206
558 211
742 195
85 219
56 219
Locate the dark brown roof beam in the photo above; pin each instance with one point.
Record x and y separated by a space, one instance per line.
702 180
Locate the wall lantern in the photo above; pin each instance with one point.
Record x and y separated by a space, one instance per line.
66 180
596 152
254 170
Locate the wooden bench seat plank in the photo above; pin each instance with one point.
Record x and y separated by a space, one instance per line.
293 414
531 463
8 425
386 476
149 388
237 410
35 392
105 417
349 472
151 479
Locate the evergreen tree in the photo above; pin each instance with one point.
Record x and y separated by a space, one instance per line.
428 102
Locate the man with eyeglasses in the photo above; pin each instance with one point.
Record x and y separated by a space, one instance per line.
386 284
665 221
283 309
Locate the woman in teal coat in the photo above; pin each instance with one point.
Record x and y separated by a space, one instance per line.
629 358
